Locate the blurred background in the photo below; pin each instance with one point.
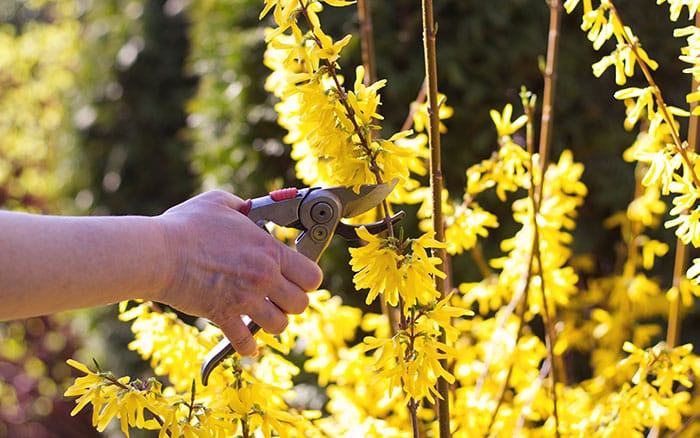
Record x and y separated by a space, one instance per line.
131 106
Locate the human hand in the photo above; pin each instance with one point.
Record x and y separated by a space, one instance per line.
224 266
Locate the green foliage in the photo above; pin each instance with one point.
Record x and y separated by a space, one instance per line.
37 64
131 109
232 126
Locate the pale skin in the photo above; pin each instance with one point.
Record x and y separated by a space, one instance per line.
202 257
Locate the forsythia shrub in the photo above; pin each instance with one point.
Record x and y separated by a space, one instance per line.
504 362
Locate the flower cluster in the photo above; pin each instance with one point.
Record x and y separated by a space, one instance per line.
331 129
670 163
652 383
240 398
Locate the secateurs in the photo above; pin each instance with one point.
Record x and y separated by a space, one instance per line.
316 212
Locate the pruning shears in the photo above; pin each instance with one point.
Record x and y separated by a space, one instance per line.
316 212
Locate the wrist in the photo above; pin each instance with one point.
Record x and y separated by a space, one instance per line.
165 256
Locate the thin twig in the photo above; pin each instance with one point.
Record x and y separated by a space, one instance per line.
436 184
550 82
364 10
414 107
544 372
544 152
550 337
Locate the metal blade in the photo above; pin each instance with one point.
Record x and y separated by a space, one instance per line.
349 232
370 196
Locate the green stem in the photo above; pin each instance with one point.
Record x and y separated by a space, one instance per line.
436 184
190 406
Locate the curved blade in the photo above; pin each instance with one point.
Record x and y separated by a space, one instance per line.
370 196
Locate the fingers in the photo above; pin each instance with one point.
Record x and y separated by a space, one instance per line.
240 337
301 271
297 275
268 316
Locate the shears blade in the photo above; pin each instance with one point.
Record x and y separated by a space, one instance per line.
369 196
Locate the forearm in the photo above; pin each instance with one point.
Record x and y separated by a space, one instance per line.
50 263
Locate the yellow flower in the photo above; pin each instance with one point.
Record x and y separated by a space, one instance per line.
393 268
694 272
174 348
651 249
111 397
676 6
328 49
504 125
415 374
442 314
365 100
377 266
647 208
88 387
464 227
643 99
421 118
283 13
662 165
688 230
339 3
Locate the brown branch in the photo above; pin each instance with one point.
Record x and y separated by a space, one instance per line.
436 185
555 11
364 10
550 82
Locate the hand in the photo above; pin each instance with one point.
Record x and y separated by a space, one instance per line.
224 266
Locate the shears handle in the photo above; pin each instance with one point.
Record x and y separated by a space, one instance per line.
222 350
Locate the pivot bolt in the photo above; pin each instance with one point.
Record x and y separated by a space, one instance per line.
321 212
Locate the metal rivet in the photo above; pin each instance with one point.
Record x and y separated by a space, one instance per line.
319 233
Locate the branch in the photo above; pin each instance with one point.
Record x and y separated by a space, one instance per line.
436 184
364 10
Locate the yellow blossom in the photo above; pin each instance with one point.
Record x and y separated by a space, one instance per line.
504 125
377 267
